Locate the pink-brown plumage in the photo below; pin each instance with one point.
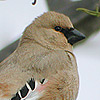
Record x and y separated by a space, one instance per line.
43 53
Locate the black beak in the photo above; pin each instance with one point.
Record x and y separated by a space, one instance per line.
73 35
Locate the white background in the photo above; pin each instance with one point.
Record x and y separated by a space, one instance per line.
15 15
88 59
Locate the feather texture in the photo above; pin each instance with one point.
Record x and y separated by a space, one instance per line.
44 55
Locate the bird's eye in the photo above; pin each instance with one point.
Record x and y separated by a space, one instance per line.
58 28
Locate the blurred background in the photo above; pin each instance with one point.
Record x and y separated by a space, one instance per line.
15 15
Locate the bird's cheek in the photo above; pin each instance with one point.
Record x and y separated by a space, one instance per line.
61 37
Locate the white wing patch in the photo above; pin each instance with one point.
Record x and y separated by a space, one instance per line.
32 95
31 91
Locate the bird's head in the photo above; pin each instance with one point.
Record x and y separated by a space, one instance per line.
53 28
59 24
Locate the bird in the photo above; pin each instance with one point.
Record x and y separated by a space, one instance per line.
43 67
